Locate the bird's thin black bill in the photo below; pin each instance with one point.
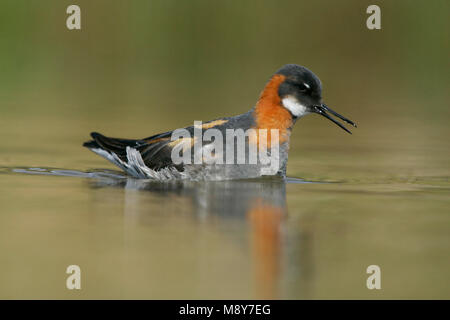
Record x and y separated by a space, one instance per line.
322 110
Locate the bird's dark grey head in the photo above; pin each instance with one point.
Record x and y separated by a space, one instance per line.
300 83
301 93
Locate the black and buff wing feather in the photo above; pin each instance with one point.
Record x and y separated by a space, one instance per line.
156 151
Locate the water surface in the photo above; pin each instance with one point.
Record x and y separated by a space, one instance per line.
311 236
377 197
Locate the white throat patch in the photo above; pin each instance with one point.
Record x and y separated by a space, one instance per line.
294 106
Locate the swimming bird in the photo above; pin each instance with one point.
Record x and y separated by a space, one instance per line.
291 93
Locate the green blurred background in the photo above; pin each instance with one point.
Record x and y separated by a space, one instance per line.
141 67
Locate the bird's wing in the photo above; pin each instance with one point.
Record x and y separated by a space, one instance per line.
156 151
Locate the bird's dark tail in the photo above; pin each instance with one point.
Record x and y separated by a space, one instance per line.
112 145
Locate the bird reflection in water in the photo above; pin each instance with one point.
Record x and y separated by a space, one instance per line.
260 202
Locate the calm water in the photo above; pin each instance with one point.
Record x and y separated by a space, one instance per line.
377 197
358 204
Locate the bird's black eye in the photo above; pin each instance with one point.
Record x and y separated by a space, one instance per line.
303 87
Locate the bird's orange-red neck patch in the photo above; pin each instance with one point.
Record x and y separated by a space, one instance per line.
269 112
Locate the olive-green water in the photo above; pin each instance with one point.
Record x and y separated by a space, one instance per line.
377 197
